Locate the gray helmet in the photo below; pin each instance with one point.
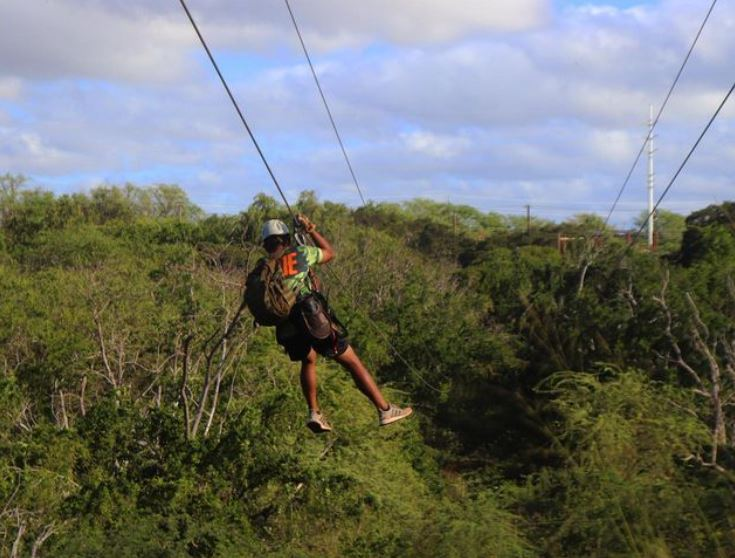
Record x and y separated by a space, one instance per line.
273 227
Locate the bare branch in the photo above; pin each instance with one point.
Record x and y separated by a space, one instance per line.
48 530
184 387
729 348
582 277
703 463
719 433
15 550
82 392
64 416
101 342
679 360
629 296
220 344
697 317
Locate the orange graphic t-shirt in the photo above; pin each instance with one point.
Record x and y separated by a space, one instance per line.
295 264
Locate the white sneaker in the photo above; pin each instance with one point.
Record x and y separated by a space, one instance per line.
393 413
317 423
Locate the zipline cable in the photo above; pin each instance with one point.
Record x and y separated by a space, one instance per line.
237 108
324 100
368 319
686 160
660 111
273 177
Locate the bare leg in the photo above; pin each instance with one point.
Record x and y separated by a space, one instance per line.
308 380
363 380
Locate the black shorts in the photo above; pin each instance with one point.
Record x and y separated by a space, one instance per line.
298 342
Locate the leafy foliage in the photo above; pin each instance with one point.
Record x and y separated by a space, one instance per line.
568 404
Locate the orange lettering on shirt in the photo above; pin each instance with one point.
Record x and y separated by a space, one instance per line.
288 264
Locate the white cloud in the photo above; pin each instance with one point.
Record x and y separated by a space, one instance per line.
465 98
416 21
434 145
698 105
28 152
148 41
616 146
69 39
10 88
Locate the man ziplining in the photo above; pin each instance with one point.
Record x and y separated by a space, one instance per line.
323 336
309 327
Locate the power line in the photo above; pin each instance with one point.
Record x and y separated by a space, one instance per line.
324 100
237 107
661 110
686 159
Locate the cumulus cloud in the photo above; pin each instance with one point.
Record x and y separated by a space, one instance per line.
148 40
70 39
599 72
10 88
28 151
434 145
617 146
417 21
487 100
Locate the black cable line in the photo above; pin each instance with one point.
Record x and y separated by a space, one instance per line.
324 100
275 181
661 110
686 160
237 107
357 185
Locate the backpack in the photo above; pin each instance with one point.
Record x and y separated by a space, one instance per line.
317 319
315 316
269 300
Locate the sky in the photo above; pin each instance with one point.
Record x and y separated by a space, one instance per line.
496 104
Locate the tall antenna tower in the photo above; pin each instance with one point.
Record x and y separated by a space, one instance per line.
650 179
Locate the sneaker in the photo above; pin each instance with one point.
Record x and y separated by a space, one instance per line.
393 413
317 423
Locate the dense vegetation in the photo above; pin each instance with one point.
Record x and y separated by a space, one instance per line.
568 404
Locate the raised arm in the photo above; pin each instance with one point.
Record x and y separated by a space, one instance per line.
319 240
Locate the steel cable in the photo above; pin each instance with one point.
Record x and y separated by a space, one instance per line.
324 100
237 107
686 160
661 110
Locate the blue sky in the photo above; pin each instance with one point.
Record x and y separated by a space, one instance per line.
492 103
615 3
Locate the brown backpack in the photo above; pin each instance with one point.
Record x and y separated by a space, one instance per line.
268 299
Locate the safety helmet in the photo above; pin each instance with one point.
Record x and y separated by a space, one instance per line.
273 227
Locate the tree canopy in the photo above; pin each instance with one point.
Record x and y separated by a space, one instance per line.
569 403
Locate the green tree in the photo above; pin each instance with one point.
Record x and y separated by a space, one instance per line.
669 227
626 488
169 200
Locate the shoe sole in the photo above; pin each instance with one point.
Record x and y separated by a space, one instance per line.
317 428
409 412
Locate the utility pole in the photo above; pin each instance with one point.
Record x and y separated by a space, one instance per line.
650 179
528 219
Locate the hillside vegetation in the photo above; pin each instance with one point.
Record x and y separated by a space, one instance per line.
575 404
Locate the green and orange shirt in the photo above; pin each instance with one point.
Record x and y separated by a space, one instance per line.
295 263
